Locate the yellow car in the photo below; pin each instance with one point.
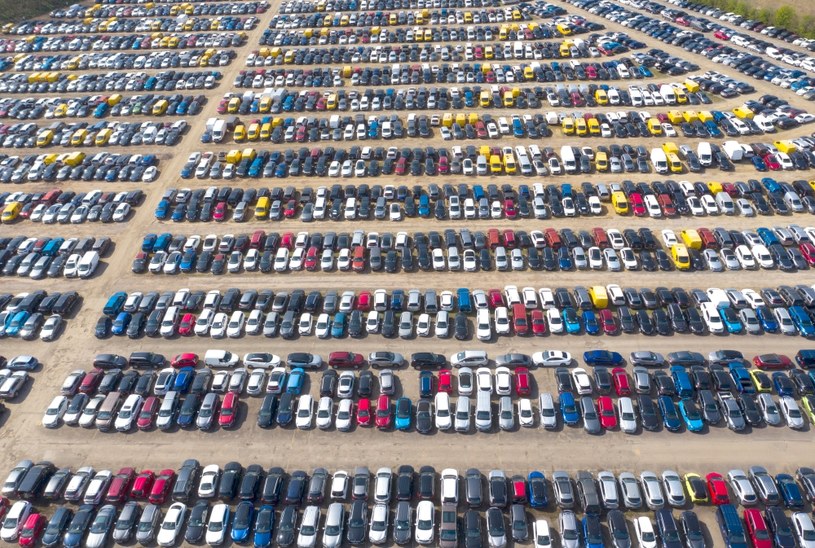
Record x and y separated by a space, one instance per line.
761 380
696 488
808 403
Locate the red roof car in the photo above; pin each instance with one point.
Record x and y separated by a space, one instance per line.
717 488
519 320
142 484
120 485
187 324
187 359
383 412
522 381
757 528
608 322
162 486
364 412
808 251
147 415
495 298
538 323
32 529
605 408
518 489
772 361
346 359
622 384
637 204
445 381
229 411
91 381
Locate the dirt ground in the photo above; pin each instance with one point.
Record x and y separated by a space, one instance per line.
781 449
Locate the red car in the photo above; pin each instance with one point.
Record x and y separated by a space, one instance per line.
608 322
772 361
187 324
311 259
605 408
219 213
91 381
519 320
290 210
637 205
363 303
187 359
364 412
147 415
600 237
162 486
32 529
666 203
718 489
509 209
287 241
383 412
495 298
229 411
622 384
772 163
522 381
518 490
445 381
346 359
120 485
142 485
757 528
808 251
538 323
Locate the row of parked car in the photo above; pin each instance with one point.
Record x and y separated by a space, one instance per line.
162 59
14 375
38 258
77 166
99 106
131 24
39 206
65 82
161 10
104 42
505 502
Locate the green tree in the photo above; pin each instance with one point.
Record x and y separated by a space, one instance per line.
784 17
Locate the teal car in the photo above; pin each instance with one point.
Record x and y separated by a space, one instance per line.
571 320
404 410
691 415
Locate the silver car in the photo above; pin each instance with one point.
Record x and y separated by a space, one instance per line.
569 532
378 531
628 415
563 488
673 488
769 409
406 325
608 490
496 530
765 485
146 528
548 413
101 526
334 520
630 489
208 411
642 380
653 490
506 413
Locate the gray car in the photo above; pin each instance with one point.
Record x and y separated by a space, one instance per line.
496 530
564 489
403 523
765 485
146 529
406 325
334 521
769 408
208 411
126 523
710 409
506 413
101 526
647 358
519 524
591 422
642 380
569 532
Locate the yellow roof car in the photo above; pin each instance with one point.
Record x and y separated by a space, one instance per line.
696 488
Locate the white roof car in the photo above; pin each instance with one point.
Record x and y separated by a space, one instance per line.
171 526
443 417
483 377
208 485
217 524
483 325
305 412
465 381
55 411
425 522
551 358
582 382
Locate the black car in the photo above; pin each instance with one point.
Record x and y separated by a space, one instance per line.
427 483
272 485
251 482
498 491
427 360
357 522
287 526
667 528
197 523
472 530
404 482
285 409
424 416
462 327
328 383
268 407
648 413
103 327
316 486
186 479
694 537
749 407
618 529
296 488
57 526
365 384
230 481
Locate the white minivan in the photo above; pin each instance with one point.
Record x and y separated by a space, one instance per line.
87 265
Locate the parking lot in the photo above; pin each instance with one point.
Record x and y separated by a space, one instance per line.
780 449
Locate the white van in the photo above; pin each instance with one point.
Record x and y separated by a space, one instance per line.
483 412
220 358
567 156
88 263
705 153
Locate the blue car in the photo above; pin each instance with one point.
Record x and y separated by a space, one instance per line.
188 261
802 321
425 384
767 319
691 415
120 323
179 213
79 525
571 320
114 304
742 379
17 322
602 357
783 384
183 379
670 416
590 320
264 526
162 209
568 409
404 410
162 242
294 384
790 491
338 325
242 521
684 385
148 242
758 163
564 259
730 320
537 489
592 531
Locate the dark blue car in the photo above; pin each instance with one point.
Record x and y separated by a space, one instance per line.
670 416
537 489
568 409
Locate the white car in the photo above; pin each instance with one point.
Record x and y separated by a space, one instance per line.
208 485
256 382
465 381
582 381
443 417
306 324
345 414
339 485
804 529
551 358
323 327
14 520
483 325
526 415
171 526
628 417
305 412
423 325
483 377
540 534
234 328
554 320
51 328
442 324
325 412
277 381
217 525
503 381
219 326
745 258
425 522
128 414
88 417
55 411
644 529
502 323
378 531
